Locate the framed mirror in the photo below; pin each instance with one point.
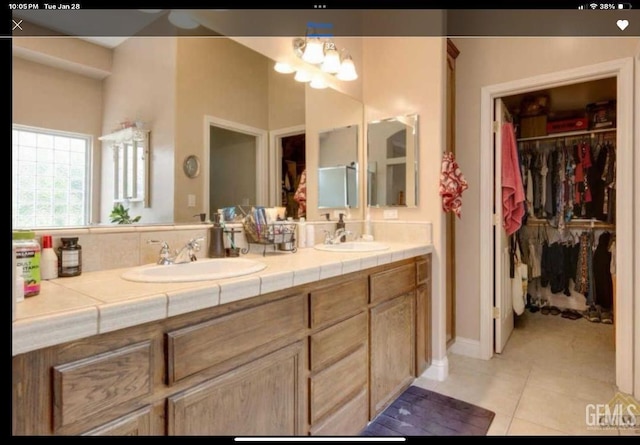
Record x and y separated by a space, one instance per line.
392 162
131 165
338 168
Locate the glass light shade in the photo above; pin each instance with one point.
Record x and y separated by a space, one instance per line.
347 70
302 76
182 19
318 83
284 68
331 62
313 51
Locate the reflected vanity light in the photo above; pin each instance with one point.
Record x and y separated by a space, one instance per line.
318 83
303 76
283 68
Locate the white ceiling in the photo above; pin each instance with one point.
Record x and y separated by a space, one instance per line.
94 25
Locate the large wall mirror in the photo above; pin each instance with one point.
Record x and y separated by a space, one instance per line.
338 168
183 81
392 162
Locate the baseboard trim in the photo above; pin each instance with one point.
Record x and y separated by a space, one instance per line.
466 347
439 370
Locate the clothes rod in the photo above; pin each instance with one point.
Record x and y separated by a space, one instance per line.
574 224
572 134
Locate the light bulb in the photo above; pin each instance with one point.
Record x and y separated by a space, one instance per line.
331 62
347 70
302 76
313 51
284 68
183 20
318 83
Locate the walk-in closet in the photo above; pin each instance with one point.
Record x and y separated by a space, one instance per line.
562 237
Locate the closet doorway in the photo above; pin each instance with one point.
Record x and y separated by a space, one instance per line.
287 162
496 315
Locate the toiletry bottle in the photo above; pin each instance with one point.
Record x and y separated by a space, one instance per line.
341 225
216 238
302 232
311 235
28 259
48 259
70 263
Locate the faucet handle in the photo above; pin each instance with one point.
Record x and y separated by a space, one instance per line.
165 252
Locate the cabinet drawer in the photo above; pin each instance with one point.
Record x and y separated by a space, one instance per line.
423 269
336 302
393 282
348 420
335 341
195 348
88 386
331 387
137 423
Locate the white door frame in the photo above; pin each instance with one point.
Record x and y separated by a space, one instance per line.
623 70
261 172
275 156
636 386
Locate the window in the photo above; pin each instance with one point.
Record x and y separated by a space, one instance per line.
50 178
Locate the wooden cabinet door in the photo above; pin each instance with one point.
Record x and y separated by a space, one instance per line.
392 350
260 398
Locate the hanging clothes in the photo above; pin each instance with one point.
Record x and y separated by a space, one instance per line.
300 196
584 275
452 184
513 196
602 272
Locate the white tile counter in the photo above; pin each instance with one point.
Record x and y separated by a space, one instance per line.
96 302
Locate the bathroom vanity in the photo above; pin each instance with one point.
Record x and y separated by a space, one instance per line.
320 347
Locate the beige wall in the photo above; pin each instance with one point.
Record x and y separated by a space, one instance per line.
142 87
404 75
216 77
488 61
52 98
286 100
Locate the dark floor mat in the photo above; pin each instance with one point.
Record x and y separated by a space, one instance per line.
420 412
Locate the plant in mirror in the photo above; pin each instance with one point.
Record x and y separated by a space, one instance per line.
392 162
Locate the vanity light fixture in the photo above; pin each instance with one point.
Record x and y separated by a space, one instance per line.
323 54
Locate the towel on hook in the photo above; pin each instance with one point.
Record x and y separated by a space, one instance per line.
452 184
513 196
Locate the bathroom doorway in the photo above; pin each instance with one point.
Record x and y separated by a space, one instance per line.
235 163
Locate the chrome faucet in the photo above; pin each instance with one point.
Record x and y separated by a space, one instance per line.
185 255
335 238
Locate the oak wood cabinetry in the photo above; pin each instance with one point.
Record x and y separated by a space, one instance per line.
321 358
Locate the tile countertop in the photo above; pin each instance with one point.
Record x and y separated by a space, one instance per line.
97 302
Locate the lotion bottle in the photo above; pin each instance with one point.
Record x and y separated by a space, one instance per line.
216 237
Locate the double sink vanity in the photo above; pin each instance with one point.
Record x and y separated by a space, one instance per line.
313 343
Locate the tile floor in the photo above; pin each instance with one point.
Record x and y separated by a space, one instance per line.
550 370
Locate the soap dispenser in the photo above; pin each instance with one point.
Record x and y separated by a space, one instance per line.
341 225
216 237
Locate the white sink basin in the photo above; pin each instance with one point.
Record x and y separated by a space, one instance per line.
353 246
205 269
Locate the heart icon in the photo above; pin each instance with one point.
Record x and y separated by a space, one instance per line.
622 24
